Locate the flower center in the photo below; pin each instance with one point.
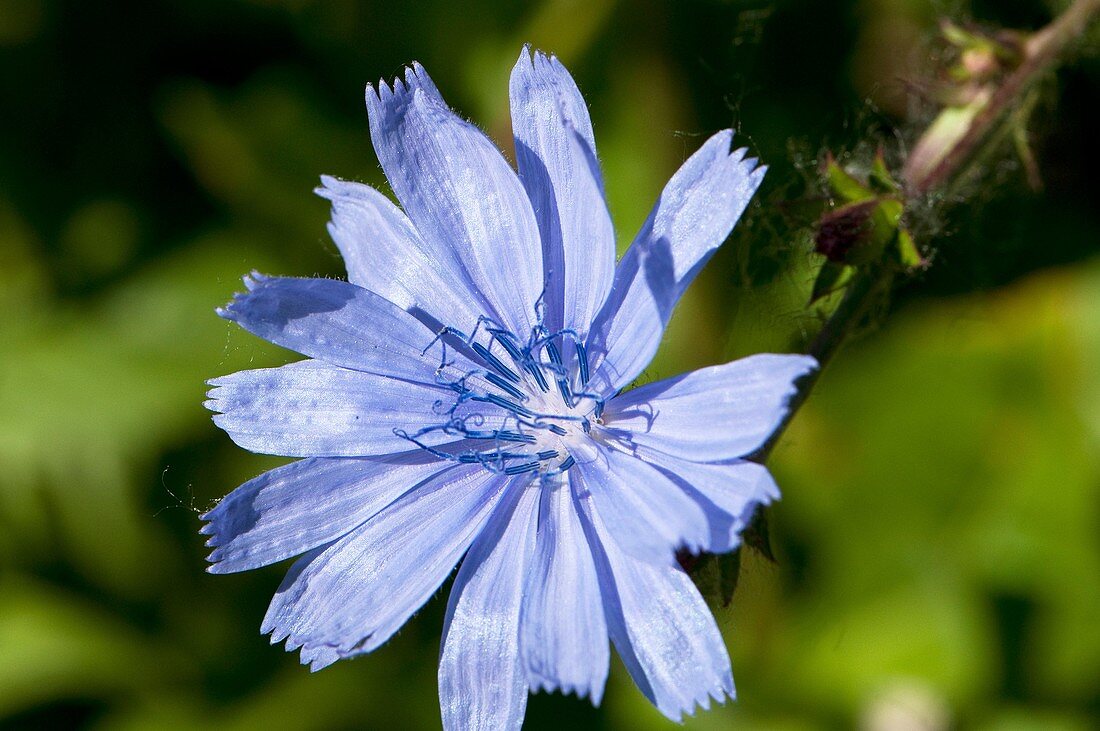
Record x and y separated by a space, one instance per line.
523 410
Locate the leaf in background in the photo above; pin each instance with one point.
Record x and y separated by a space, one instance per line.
259 152
55 645
91 396
985 489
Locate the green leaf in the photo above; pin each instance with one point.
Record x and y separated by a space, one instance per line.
716 576
757 536
843 185
830 278
906 250
880 179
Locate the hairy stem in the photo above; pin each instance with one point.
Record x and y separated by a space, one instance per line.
868 288
1041 52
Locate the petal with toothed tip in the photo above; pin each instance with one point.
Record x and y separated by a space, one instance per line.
353 594
294 508
383 252
694 214
563 633
711 414
459 191
660 626
482 684
729 492
342 324
312 409
556 157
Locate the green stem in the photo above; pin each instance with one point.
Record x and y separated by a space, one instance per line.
1040 53
1042 50
863 292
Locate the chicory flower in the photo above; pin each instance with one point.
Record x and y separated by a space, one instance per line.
461 400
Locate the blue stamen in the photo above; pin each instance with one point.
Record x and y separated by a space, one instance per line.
582 362
495 362
563 387
481 434
519 469
563 383
502 435
505 339
533 368
562 468
515 436
503 403
519 421
491 327
503 385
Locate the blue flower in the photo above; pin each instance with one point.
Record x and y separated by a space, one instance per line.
461 397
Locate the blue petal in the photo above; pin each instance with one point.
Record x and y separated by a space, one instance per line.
711 414
644 511
460 192
384 253
295 508
349 597
695 213
729 492
312 409
556 157
563 633
341 324
661 628
482 684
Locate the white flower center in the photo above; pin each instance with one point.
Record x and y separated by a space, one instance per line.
525 410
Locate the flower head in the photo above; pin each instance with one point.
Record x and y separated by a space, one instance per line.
461 397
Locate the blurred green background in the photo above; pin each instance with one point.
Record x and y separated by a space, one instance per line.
939 538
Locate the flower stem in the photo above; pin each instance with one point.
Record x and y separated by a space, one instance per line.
1042 51
868 288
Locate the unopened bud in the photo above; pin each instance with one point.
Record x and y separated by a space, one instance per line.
841 231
